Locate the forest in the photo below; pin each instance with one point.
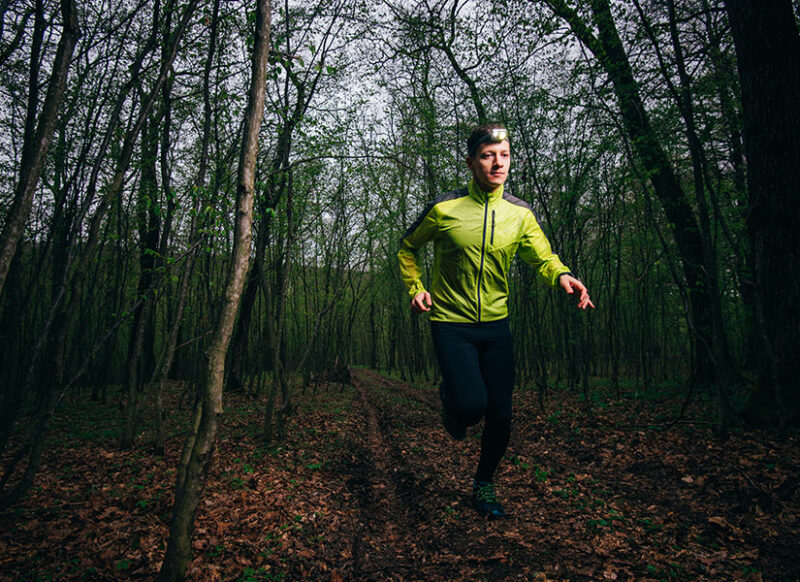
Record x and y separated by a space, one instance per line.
208 364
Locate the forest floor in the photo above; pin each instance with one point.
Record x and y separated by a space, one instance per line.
368 486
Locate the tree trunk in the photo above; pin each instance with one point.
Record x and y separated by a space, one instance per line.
188 495
148 244
275 190
279 355
768 52
35 150
236 374
168 352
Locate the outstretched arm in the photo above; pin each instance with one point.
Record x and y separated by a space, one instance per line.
571 285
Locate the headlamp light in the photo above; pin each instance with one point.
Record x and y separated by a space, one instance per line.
495 135
498 134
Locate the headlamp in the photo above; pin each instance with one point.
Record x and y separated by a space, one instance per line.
495 135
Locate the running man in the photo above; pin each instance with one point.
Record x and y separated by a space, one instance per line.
476 231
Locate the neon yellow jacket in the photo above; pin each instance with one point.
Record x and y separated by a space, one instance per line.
475 236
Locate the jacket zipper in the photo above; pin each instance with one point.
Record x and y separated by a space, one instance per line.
492 240
483 252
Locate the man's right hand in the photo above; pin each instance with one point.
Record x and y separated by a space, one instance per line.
421 302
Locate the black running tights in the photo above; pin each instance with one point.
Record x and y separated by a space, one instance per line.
477 365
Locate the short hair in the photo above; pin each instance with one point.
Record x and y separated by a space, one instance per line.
480 135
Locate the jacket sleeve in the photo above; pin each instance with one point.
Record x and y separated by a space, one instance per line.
535 250
415 237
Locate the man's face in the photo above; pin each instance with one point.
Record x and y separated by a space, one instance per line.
490 164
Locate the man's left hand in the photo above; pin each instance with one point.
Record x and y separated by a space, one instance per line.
570 284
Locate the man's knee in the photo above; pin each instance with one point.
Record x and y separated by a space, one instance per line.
469 411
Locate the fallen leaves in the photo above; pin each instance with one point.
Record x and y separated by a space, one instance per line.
372 488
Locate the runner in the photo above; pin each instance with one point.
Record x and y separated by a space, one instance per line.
476 231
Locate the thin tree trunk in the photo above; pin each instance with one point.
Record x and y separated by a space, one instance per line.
35 150
275 191
279 359
148 237
168 353
188 495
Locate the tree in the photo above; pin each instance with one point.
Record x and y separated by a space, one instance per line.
768 53
191 476
39 133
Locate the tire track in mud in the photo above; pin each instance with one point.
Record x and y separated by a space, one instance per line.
394 538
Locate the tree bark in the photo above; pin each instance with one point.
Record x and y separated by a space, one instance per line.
148 224
35 150
188 495
168 352
768 53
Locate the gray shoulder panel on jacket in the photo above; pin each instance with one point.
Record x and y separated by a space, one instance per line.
459 193
518 202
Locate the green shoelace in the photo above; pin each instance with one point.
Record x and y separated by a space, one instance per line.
485 492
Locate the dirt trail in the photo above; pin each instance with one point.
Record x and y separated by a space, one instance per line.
365 377
393 520
415 522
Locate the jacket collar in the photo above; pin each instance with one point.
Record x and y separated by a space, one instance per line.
481 196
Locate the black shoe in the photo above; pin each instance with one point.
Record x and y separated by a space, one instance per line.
455 430
485 499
